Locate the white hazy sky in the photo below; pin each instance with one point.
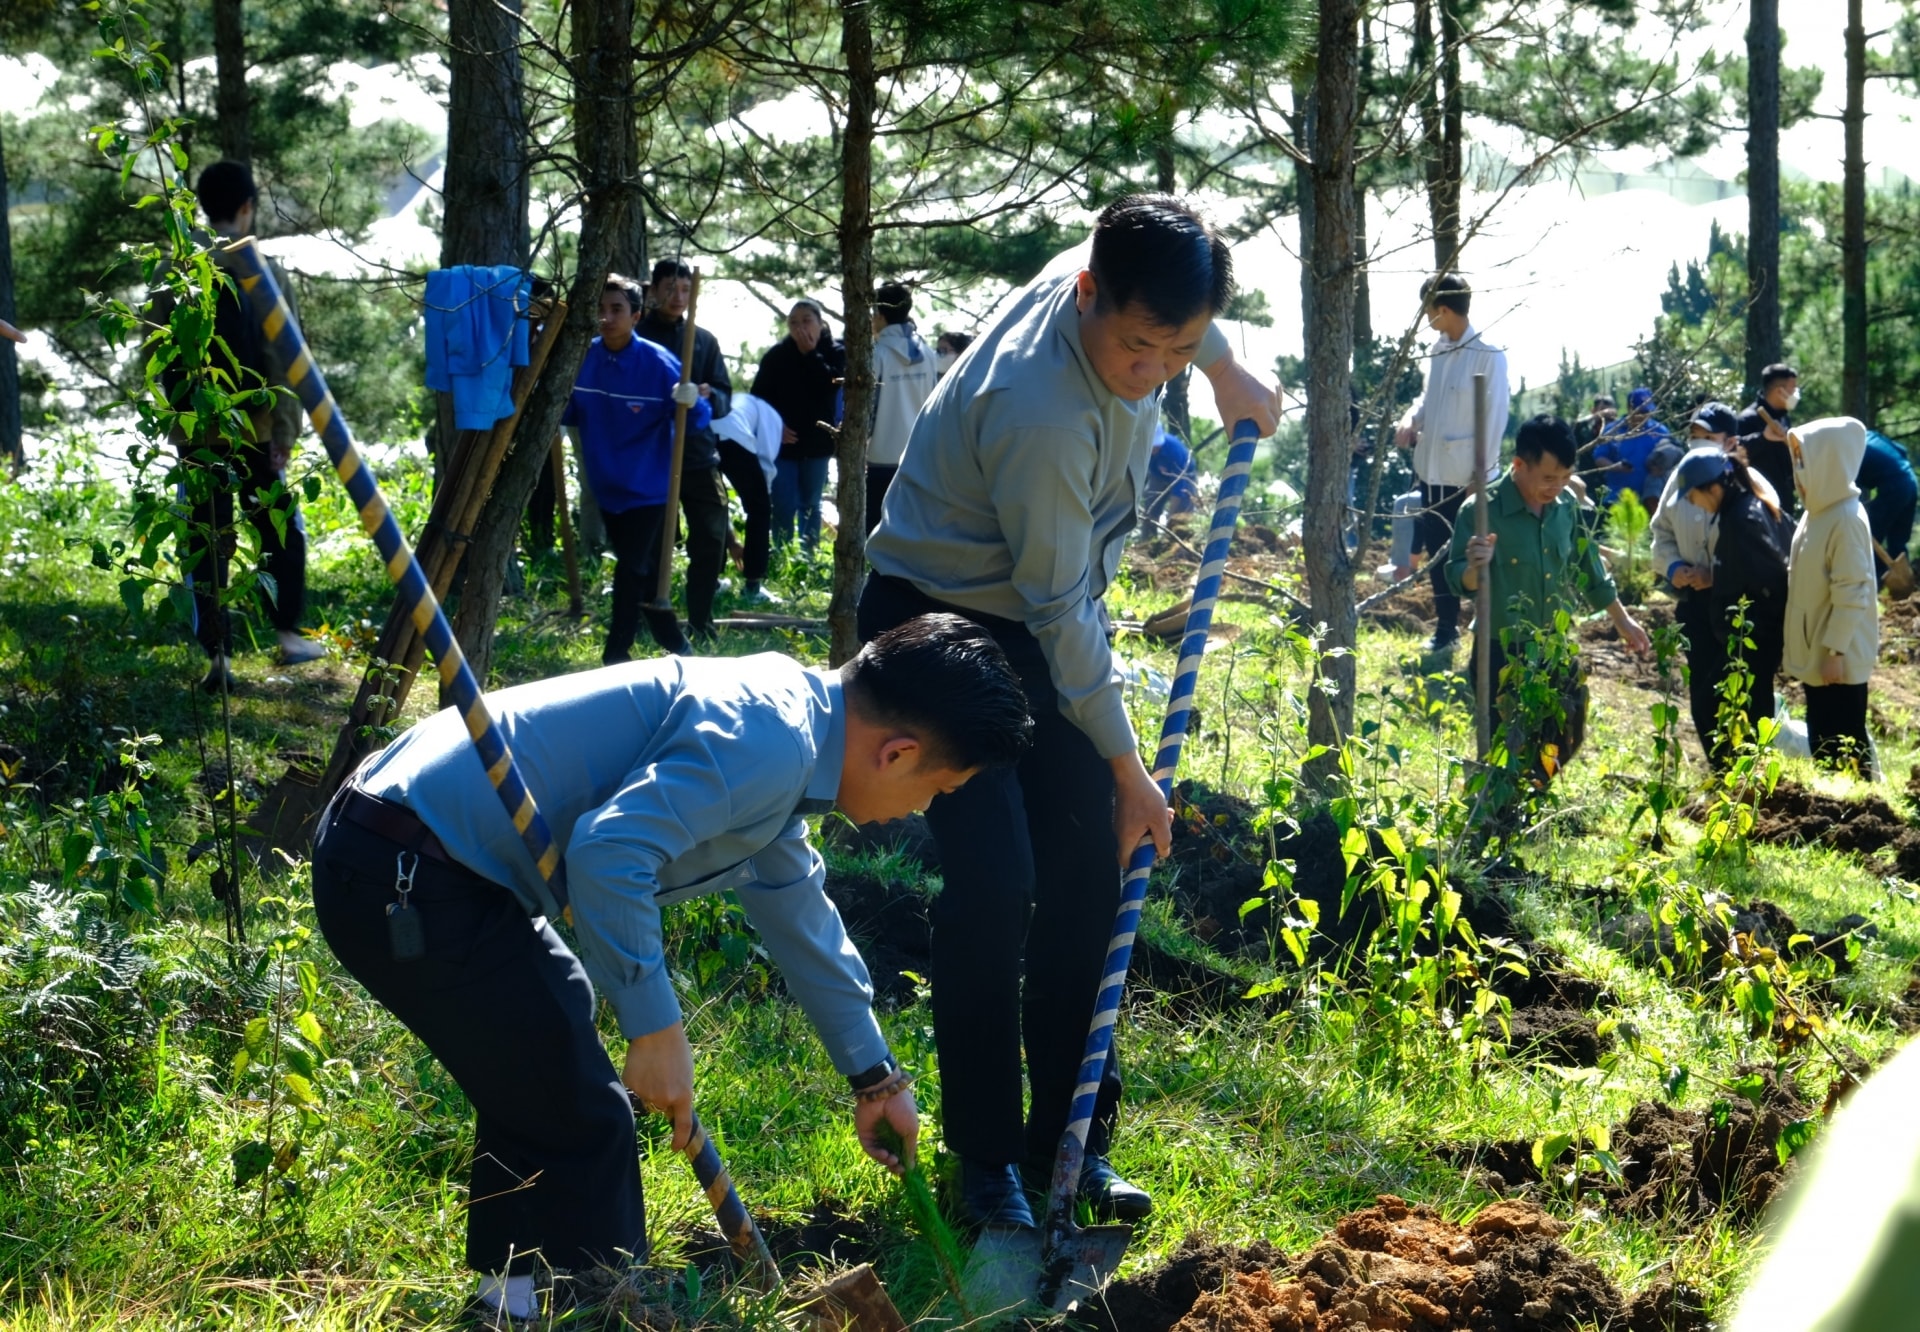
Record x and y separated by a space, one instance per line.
1552 269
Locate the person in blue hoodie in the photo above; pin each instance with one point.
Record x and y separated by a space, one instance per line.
622 405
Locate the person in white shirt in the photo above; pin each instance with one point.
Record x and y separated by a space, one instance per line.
904 372
1439 430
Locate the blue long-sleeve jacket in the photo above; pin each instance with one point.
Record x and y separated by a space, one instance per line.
623 405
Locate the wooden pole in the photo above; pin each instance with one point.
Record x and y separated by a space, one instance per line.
576 605
1483 594
670 521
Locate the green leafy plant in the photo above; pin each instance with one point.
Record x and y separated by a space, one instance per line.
1751 763
1629 528
1660 791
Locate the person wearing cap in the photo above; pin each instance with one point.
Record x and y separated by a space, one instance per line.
1539 563
1440 430
1833 606
1886 480
1761 432
1624 449
1719 538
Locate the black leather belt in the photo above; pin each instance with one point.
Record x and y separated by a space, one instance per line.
394 822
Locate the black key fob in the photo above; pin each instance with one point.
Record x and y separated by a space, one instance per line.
405 934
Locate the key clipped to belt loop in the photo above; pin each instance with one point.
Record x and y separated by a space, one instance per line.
405 937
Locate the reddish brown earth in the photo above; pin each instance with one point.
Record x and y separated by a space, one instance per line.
1795 816
1395 1266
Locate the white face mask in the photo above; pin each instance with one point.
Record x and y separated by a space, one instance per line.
943 361
1793 399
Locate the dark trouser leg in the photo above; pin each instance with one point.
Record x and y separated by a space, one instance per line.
1837 725
813 483
1706 667
507 1010
286 557
750 484
635 537
704 500
208 558
542 509
1434 531
785 496
879 477
1040 838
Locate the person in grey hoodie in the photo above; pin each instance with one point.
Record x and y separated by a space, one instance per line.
904 374
1833 609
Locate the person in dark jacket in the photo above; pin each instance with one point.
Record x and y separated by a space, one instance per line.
1887 482
703 495
1748 573
1762 442
801 376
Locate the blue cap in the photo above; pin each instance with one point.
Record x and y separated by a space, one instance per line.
1640 400
1716 418
1704 466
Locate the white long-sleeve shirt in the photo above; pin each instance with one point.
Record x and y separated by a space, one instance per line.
1443 418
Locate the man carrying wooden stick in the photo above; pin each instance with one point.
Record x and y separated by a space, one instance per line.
623 405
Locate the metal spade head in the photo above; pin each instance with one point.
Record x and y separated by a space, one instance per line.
1017 1269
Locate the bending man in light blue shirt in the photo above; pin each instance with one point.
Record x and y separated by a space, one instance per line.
662 780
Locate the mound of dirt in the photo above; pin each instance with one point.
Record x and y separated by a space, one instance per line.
1795 816
1394 1265
1766 923
1674 1163
1154 1301
827 1238
1408 611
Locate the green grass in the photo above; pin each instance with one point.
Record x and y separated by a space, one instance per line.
118 1209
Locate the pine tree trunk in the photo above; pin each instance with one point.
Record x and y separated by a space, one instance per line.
1424 72
1855 396
856 273
1305 121
230 101
485 193
11 446
605 148
1763 189
1329 375
1446 232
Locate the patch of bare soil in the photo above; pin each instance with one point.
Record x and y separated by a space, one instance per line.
1606 653
1674 1163
1409 611
1766 923
1394 1265
826 1238
1793 815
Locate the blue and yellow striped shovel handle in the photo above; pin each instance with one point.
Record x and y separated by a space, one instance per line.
249 269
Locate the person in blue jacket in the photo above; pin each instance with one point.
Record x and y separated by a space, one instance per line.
1886 479
1624 450
623 405
1170 485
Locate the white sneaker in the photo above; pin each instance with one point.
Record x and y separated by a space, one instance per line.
296 650
756 595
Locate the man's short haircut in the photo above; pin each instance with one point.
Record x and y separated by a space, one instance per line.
958 341
1605 400
944 680
223 190
1449 291
1155 251
894 301
626 288
1773 374
1544 434
669 268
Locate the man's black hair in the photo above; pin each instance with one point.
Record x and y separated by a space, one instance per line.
1605 400
223 190
945 680
669 268
958 341
1776 372
626 288
1544 434
894 301
1449 291
1155 251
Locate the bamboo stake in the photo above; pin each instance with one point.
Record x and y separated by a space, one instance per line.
670 520
576 606
1483 594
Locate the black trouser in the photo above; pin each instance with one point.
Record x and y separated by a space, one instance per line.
742 470
1837 725
1709 663
1566 733
1440 506
209 555
1031 874
879 478
508 1012
635 537
704 500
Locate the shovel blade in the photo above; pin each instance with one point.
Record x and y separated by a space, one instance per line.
1012 1270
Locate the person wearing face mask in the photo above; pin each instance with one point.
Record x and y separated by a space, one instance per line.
1833 604
800 377
1021 481
904 376
947 350
1760 435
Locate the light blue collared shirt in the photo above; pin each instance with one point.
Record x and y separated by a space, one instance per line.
661 780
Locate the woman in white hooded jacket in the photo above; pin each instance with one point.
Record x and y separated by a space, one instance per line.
1833 611
904 373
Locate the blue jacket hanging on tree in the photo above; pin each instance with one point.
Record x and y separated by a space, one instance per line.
476 335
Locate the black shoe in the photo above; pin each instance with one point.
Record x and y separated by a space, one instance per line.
611 658
1443 640
992 1195
219 678
704 635
1111 1197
